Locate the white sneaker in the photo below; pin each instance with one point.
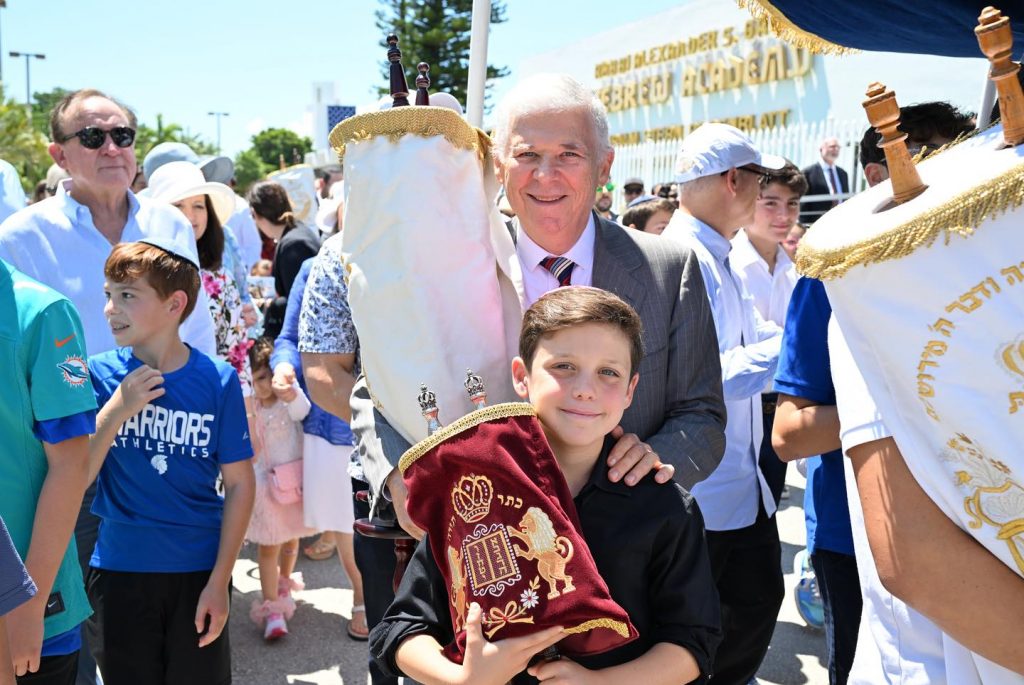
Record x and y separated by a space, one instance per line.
275 628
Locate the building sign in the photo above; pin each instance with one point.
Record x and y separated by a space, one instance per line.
715 61
662 76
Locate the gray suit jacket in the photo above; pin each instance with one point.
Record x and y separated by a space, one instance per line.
677 408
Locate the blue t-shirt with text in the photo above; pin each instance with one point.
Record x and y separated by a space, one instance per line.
157 494
805 371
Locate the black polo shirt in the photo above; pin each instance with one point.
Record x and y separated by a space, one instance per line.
648 543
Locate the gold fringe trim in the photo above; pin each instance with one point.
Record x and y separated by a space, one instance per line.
961 216
401 121
471 420
785 29
618 626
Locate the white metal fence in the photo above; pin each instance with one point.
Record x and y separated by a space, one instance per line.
654 161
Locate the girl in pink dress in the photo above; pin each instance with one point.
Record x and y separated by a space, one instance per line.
276 524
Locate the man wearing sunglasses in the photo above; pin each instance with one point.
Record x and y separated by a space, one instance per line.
63 242
720 174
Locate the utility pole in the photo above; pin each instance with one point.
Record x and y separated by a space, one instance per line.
218 115
3 4
28 77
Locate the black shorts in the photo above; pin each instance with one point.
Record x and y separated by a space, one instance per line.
143 630
53 670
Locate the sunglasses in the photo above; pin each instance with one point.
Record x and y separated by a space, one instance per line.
763 177
93 137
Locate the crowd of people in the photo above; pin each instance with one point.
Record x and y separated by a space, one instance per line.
184 374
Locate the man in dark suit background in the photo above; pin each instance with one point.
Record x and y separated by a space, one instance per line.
824 178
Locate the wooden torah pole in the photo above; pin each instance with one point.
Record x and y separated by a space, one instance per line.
399 86
422 83
996 40
884 114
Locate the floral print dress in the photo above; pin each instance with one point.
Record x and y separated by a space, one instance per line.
233 341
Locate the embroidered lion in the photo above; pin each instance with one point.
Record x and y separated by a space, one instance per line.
551 552
458 587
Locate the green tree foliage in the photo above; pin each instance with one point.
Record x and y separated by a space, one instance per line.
436 32
249 168
273 143
42 105
146 137
21 144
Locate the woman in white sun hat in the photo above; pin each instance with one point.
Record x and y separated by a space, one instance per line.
207 205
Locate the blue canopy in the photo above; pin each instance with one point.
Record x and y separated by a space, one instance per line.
930 27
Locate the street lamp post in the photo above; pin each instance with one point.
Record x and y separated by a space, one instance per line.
28 81
3 4
218 115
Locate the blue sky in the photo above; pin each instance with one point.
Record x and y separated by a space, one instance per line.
255 59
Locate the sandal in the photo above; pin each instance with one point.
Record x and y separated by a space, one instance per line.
355 634
320 550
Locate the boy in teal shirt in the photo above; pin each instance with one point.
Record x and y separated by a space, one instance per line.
47 412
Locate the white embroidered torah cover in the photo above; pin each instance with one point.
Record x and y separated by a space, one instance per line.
938 330
432 275
299 182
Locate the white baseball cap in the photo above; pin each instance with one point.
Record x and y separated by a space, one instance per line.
715 148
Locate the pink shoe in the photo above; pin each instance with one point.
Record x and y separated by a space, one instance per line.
276 628
286 586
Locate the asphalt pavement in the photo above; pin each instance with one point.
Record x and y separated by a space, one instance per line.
318 652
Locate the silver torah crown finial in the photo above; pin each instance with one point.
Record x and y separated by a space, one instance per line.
428 407
475 388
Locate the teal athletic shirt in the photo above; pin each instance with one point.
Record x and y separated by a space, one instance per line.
45 394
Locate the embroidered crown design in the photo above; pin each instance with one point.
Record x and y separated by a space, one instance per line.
472 497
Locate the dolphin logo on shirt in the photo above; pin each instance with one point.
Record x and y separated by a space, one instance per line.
74 371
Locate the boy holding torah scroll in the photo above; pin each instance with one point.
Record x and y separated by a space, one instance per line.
528 542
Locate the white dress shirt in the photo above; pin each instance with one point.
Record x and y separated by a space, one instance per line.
250 245
908 646
537 280
12 197
771 290
56 242
749 350
828 170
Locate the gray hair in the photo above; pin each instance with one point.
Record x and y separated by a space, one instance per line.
696 186
549 93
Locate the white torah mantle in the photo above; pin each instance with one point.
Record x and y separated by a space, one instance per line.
930 297
434 284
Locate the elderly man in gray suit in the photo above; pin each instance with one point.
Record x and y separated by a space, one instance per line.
551 150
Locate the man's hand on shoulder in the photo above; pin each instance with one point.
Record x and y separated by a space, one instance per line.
634 459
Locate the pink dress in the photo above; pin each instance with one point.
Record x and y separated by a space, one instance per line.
279 428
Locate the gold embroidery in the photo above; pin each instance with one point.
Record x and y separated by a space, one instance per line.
552 553
993 499
490 559
611 624
425 122
470 420
500 617
791 33
961 216
471 497
458 587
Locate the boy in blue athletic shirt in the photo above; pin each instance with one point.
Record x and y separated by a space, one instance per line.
171 420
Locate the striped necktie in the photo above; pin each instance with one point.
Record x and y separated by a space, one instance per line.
560 268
